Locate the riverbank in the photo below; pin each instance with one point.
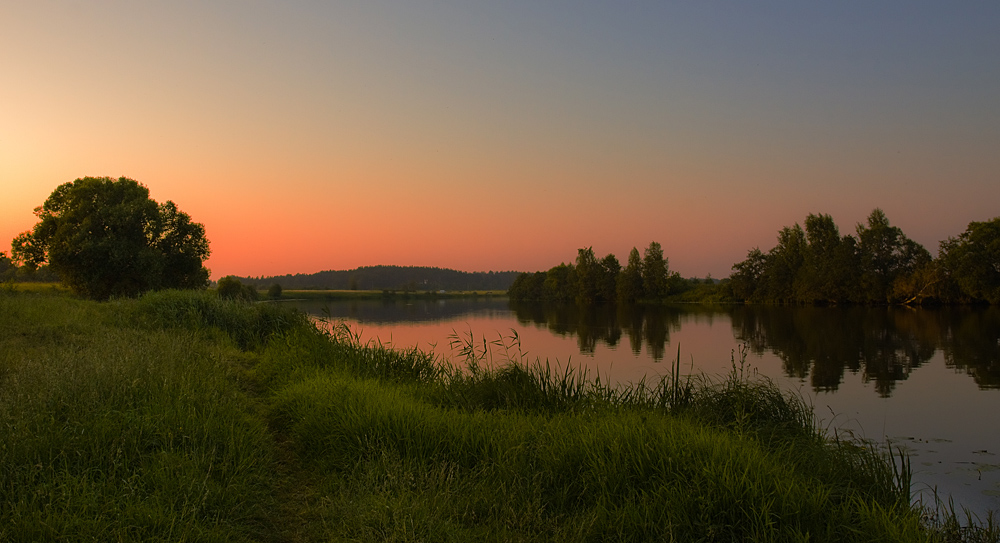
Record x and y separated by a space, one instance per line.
388 294
180 416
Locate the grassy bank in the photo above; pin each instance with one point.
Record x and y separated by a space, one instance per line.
111 430
182 417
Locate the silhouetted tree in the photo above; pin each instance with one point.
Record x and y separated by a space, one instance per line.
629 286
560 283
527 286
107 237
888 259
971 262
784 261
655 272
745 281
274 291
588 276
826 264
230 288
608 282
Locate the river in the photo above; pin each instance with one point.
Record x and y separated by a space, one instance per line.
924 380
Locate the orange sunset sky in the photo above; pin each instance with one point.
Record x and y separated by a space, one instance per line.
481 135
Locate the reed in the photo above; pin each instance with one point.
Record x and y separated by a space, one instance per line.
502 448
180 417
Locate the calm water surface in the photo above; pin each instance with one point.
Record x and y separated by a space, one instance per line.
926 380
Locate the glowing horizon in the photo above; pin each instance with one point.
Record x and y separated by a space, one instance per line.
483 136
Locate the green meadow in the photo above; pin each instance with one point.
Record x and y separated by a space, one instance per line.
179 416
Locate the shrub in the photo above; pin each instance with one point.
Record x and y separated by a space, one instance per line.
274 291
230 288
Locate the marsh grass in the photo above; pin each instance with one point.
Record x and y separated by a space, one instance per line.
955 524
179 416
504 448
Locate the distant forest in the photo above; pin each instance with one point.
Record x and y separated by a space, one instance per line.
403 278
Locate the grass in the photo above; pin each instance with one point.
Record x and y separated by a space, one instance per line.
114 433
52 288
182 417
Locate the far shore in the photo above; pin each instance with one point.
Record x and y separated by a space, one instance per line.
290 295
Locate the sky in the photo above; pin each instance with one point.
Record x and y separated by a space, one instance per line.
483 135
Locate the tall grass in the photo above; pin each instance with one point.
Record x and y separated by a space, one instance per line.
179 416
505 449
116 434
250 325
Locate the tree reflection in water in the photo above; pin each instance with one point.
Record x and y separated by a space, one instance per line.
972 343
883 344
604 323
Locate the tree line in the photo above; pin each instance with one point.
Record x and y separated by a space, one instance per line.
878 265
403 278
106 237
589 280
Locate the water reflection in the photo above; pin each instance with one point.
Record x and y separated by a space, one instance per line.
883 344
820 344
841 354
972 343
390 310
604 324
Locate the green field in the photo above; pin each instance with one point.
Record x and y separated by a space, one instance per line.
35 287
182 417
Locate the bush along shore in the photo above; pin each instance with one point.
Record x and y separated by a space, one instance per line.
180 416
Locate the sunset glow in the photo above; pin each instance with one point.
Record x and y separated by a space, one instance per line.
505 135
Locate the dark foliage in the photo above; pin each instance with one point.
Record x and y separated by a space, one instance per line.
819 266
970 263
590 280
407 278
230 288
106 237
274 291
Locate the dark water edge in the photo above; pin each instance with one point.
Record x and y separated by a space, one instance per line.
924 380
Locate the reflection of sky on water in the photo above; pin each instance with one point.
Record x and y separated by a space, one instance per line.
937 413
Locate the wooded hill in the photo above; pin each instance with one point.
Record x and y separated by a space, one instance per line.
405 278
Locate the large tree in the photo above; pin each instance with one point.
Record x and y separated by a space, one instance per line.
629 284
610 268
783 263
655 272
971 262
745 281
588 276
888 260
106 237
829 262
